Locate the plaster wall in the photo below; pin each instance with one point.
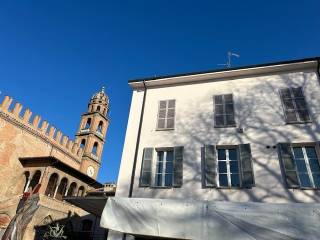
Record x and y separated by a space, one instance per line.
258 111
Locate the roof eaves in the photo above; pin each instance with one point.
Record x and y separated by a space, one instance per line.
226 70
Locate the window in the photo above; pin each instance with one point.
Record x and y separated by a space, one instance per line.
52 184
301 165
224 111
295 107
164 169
83 143
99 129
95 148
62 189
80 191
227 167
88 124
166 114
307 166
72 189
35 180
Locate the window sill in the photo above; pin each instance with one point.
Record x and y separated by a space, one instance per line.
99 134
161 187
164 129
300 188
228 188
235 188
85 130
229 126
289 123
156 187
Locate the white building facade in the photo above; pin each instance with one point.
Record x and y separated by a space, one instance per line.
249 134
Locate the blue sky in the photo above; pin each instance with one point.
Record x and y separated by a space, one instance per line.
55 54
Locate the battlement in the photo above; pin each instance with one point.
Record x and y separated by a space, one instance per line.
41 128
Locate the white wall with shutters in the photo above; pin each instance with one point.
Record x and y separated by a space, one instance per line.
258 110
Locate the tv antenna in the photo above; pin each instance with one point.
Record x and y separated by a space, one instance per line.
229 56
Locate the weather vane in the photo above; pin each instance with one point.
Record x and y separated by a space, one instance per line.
228 64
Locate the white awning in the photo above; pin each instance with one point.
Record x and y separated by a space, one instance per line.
201 220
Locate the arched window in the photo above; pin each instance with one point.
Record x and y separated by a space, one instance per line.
80 191
100 126
62 189
72 189
52 185
83 143
35 180
88 124
95 149
27 182
98 108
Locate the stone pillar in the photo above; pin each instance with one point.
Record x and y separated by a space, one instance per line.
67 188
55 191
44 180
27 185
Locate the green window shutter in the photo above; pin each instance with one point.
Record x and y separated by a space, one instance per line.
210 166
288 165
247 177
146 168
166 114
224 111
162 112
294 104
170 113
178 167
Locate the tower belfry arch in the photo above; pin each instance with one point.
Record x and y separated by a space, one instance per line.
92 133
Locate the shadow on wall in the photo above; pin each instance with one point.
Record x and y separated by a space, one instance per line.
261 115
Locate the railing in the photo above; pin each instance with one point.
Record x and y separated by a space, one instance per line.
94 157
99 134
84 130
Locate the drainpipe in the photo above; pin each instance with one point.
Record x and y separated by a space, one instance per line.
318 69
124 236
138 141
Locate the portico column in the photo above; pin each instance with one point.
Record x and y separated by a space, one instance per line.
27 186
67 188
56 190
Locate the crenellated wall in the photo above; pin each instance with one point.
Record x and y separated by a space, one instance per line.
23 135
27 135
41 128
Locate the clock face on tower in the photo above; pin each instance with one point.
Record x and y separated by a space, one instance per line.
90 171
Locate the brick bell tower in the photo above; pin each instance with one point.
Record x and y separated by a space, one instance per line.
92 133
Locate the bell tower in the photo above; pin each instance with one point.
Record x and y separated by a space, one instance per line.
92 133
